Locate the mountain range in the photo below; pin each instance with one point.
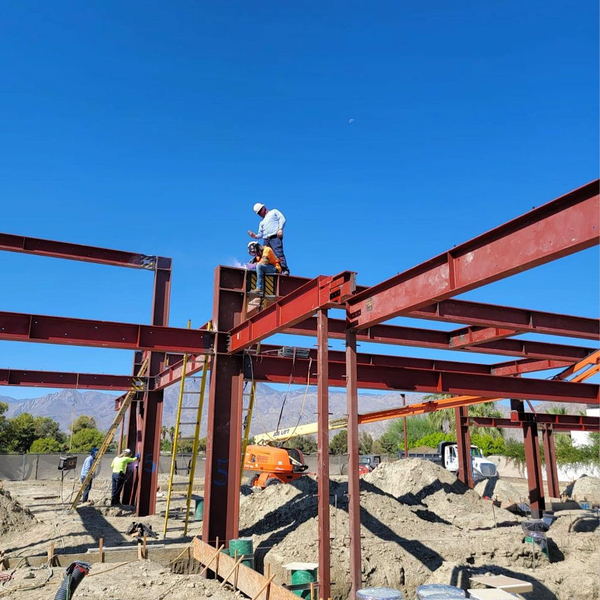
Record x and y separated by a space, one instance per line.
273 407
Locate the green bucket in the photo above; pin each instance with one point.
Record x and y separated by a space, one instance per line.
244 547
199 510
298 577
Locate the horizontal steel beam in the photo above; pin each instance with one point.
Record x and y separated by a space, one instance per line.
93 254
580 423
429 338
522 320
292 308
473 336
557 229
18 327
80 381
377 377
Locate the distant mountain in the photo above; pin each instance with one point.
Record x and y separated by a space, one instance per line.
273 407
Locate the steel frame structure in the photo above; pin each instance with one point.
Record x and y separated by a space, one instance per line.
556 229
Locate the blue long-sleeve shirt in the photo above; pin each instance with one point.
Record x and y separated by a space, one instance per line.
87 465
272 222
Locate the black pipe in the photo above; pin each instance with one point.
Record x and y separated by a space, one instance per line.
74 575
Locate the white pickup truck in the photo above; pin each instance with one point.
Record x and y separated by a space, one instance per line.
447 457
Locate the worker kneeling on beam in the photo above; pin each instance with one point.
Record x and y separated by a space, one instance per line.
266 263
119 467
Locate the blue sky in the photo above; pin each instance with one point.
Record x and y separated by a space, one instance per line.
154 127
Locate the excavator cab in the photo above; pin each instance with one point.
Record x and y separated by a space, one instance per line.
273 465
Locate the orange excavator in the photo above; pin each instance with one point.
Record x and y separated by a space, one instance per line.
273 465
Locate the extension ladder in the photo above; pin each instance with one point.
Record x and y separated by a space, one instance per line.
138 386
181 409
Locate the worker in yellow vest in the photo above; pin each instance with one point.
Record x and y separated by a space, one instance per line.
119 468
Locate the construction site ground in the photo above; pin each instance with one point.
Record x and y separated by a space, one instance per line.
419 525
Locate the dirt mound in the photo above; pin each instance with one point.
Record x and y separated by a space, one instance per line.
13 517
500 489
419 482
585 489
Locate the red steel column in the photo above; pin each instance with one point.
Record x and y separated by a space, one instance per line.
533 461
463 439
224 427
353 479
323 444
550 460
152 407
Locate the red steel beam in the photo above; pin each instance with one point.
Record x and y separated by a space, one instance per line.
506 317
281 370
472 336
562 227
550 460
81 381
93 254
353 475
519 367
292 309
589 424
399 335
323 454
463 445
18 327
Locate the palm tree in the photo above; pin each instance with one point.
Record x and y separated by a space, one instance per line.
445 420
557 410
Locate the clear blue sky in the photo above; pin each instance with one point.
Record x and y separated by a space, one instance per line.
155 126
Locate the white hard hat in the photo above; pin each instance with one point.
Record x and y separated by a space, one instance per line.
127 451
258 207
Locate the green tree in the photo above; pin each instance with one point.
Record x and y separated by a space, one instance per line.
432 440
306 444
558 410
83 422
488 443
416 428
46 427
44 445
339 443
85 439
386 444
365 443
20 433
3 425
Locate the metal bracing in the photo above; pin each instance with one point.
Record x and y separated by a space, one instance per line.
93 254
276 369
18 327
556 229
353 455
323 454
463 443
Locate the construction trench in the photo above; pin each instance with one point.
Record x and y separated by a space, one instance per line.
406 524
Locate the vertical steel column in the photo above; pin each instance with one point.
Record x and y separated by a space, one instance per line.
130 487
353 479
550 459
152 407
323 449
532 459
405 429
224 428
463 442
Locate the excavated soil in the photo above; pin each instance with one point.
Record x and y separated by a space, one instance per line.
586 489
14 519
420 525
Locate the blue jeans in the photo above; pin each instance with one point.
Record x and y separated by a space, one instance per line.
118 480
86 491
261 270
276 244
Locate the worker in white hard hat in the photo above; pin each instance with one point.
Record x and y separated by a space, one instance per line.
270 231
266 263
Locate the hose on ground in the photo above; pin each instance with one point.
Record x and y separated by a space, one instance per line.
74 575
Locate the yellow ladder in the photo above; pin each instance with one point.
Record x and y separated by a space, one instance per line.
138 386
195 438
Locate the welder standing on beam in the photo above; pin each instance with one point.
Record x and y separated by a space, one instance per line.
270 231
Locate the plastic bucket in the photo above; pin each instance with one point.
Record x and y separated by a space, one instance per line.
303 577
199 507
378 593
439 590
244 547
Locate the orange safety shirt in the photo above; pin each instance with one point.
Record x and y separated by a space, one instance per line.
270 256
